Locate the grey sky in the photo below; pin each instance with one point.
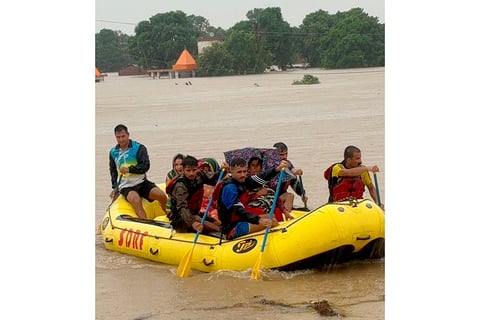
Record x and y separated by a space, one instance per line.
123 15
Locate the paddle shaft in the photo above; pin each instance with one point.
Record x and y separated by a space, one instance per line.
272 209
304 193
184 266
301 185
376 187
116 194
118 183
258 264
205 214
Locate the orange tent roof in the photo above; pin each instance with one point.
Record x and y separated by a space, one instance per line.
185 62
97 73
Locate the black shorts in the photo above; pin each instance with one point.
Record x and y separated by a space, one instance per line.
143 189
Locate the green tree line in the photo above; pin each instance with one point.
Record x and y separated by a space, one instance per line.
349 39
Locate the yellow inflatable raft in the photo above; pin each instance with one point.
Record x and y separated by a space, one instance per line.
330 234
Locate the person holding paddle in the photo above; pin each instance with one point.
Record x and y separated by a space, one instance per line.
295 183
233 193
129 163
260 200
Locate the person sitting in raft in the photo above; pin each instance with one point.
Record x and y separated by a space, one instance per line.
177 169
347 179
260 199
129 163
186 194
236 219
209 165
294 182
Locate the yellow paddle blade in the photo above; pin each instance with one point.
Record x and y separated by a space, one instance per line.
185 264
256 273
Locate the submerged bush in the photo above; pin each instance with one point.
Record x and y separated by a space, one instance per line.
307 79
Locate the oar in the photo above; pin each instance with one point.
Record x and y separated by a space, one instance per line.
258 265
186 262
305 208
376 187
304 193
117 191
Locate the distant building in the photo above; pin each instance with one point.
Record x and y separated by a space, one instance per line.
203 44
132 70
185 66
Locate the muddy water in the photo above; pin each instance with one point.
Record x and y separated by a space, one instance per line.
213 115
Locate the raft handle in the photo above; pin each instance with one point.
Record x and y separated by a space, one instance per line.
108 240
363 238
207 263
153 252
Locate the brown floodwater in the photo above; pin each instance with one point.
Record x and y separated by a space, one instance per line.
213 115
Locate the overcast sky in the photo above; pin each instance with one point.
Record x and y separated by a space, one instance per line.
123 15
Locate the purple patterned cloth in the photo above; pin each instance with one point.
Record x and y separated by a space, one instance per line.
270 158
244 153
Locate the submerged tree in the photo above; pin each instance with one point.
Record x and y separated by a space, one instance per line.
159 42
355 40
315 26
215 61
275 35
248 52
111 50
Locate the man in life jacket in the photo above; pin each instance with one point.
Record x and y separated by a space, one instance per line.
348 178
186 194
236 219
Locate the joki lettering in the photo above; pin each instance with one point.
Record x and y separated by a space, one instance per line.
132 239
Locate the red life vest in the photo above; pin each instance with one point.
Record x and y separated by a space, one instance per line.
228 217
217 191
224 213
342 188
